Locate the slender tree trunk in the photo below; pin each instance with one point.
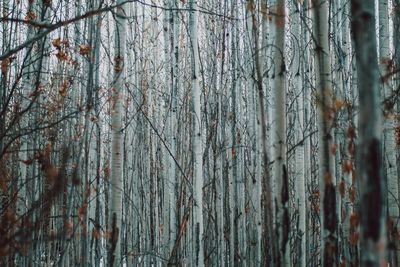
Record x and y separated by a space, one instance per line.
173 183
279 134
306 71
221 143
254 253
300 131
389 144
326 160
396 59
369 168
198 248
116 146
271 249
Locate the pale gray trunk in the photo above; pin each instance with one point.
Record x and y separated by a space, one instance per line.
116 128
300 131
198 248
389 122
280 173
326 160
372 184
271 249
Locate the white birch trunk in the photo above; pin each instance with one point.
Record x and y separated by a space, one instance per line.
254 181
326 160
300 154
221 158
116 128
279 135
198 248
271 250
174 64
389 121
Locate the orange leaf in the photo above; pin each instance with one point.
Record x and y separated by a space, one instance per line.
61 55
339 104
63 89
352 194
328 178
56 43
342 188
84 49
4 66
347 166
354 237
95 233
354 219
333 149
30 16
351 132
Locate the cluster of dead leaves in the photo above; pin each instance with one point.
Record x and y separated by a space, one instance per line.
5 64
30 16
61 46
64 87
84 50
63 49
397 135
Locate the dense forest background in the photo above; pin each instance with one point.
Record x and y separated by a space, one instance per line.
199 133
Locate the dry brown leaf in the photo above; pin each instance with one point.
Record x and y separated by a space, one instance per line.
339 104
56 43
342 188
30 15
347 166
354 237
333 149
84 49
352 194
354 219
4 66
351 132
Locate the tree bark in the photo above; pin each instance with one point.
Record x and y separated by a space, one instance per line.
326 161
117 135
369 168
198 248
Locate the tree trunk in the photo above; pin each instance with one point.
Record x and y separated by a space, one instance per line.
326 161
116 146
369 168
271 249
198 248
280 173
